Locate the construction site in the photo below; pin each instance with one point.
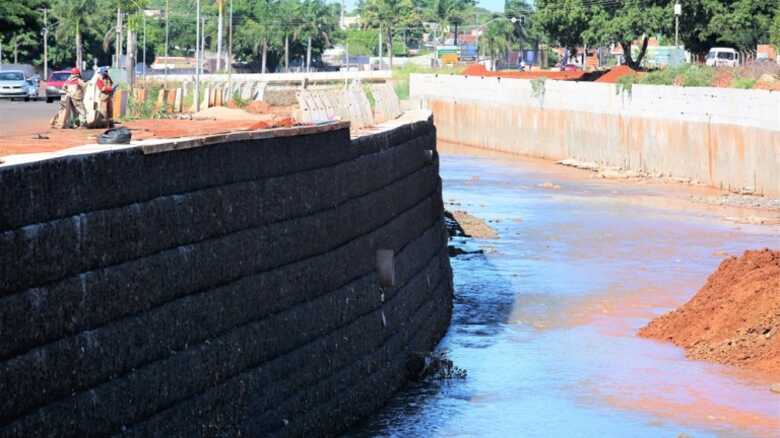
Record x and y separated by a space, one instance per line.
500 253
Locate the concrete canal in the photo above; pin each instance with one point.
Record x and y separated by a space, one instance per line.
545 320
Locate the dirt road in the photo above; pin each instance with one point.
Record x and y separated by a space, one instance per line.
19 117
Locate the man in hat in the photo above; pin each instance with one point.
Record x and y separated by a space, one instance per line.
71 102
105 88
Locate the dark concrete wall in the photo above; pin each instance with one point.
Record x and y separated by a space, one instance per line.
224 289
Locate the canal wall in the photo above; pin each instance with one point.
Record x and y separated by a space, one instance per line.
228 285
724 138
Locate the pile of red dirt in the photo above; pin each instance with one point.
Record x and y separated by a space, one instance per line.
614 74
723 78
734 319
480 70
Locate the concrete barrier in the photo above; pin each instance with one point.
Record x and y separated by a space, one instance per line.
221 286
725 138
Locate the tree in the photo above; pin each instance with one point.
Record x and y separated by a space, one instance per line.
73 16
626 22
451 12
389 15
564 21
19 42
318 20
497 39
774 31
260 29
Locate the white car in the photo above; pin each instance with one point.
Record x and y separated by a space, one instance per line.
722 57
13 85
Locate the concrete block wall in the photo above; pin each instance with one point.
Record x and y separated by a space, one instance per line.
219 290
725 138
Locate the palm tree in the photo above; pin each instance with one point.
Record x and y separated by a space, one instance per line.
388 15
497 38
287 12
318 20
73 16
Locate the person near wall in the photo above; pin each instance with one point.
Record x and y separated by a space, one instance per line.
71 103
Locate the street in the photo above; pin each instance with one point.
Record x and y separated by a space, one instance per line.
20 117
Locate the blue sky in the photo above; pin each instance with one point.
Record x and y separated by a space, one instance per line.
492 5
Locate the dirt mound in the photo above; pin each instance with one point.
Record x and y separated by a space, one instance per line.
257 107
734 319
223 113
614 74
480 70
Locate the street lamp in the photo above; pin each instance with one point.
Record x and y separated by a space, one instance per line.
677 13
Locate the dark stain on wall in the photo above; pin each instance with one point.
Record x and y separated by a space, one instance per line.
222 290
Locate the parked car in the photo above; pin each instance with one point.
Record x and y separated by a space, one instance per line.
57 80
570 67
13 85
722 57
54 85
32 89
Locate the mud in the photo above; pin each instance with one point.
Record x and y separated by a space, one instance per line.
480 70
734 319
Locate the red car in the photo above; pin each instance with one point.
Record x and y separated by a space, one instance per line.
54 84
57 80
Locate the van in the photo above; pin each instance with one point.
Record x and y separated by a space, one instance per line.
722 57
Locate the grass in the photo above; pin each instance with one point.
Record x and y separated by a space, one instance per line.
401 76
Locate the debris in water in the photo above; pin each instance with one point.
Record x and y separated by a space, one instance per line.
435 365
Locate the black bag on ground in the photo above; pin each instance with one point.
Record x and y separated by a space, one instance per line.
115 136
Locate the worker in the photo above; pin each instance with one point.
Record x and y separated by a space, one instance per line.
71 102
105 86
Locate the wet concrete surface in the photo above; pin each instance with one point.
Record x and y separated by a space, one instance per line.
545 320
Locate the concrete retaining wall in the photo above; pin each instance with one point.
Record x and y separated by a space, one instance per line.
725 138
225 289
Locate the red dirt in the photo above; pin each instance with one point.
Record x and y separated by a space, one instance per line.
771 86
614 74
59 139
734 319
480 70
723 78
258 107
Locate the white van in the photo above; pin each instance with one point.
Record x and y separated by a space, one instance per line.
722 57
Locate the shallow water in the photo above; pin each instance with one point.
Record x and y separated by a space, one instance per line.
545 321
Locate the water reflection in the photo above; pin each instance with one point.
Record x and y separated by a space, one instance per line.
544 322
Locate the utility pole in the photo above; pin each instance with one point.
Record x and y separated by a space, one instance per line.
197 56
144 51
118 48
380 47
677 13
167 12
230 41
45 44
220 5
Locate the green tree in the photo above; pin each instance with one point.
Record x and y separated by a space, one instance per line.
389 16
497 38
628 21
563 21
72 20
774 31
20 42
318 20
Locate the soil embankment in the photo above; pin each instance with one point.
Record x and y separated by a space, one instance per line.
734 319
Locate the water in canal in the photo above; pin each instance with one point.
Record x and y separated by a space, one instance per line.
545 321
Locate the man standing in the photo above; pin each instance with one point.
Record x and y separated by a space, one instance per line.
74 89
72 101
105 88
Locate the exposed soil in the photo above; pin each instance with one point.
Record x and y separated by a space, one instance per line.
480 70
614 74
215 120
734 319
